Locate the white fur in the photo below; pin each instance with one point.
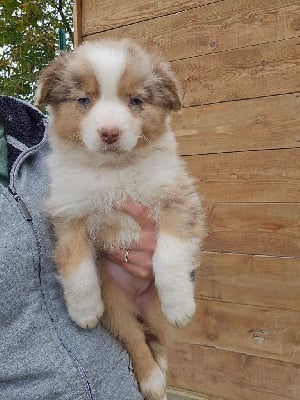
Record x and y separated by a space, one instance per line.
82 295
154 387
173 261
106 114
81 188
109 63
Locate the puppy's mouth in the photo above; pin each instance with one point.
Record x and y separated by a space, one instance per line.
111 147
116 147
110 142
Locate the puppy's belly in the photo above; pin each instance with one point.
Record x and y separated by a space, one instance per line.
113 231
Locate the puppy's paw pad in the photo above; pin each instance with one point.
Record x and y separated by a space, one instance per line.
154 387
180 314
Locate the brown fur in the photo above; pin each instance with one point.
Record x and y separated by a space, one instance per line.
63 80
62 83
72 247
132 325
68 117
179 210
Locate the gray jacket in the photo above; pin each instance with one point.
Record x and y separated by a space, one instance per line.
43 354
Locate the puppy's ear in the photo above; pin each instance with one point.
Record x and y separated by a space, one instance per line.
51 84
167 87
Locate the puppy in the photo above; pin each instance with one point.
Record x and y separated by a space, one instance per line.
109 104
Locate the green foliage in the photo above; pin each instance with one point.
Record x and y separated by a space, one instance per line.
29 40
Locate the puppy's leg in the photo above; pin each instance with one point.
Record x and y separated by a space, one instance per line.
181 229
174 262
157 329
120 318
74 255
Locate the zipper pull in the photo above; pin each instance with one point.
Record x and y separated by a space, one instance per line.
22 206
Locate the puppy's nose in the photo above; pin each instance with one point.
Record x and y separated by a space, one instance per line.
109 134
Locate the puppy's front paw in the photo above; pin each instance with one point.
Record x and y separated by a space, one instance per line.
87 313
154 387
83 295
85 306
179 311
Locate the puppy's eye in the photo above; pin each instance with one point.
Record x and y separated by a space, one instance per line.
135 101
85 101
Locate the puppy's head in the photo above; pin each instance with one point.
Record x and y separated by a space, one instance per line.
108 96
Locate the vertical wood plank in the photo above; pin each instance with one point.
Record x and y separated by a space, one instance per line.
77 19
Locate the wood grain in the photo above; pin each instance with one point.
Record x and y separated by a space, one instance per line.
100 16
250 228
77 20
232 375
253 280
262 70
217 27
260 331
255 124
253 176
255 71
174 394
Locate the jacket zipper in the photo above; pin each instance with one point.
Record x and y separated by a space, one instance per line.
22 206
11 188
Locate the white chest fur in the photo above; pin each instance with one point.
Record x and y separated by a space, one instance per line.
81 189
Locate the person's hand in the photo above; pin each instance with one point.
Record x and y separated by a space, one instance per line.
139 256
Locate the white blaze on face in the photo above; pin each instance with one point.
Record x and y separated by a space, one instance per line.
109 64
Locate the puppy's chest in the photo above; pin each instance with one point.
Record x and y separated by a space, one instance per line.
82 192
113 230
95 197
110 228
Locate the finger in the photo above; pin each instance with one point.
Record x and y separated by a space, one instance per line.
140 213
140 258
135 270
147 242
145 273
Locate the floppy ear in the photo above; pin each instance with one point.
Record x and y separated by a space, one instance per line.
167 87
52 88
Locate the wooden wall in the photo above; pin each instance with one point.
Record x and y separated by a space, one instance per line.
239 132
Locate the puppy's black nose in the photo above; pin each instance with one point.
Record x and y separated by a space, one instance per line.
109 134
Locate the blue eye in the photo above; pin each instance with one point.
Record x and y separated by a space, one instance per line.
135 101
85 101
